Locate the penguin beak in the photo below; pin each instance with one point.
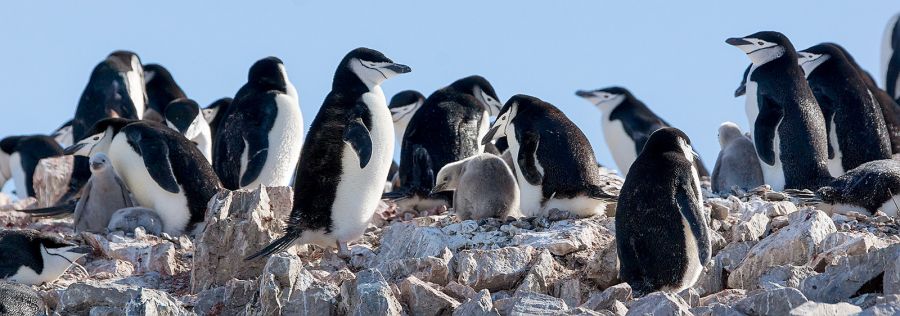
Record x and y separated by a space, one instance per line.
82 250
584 94
741 90
71 150
737 41
490 135
438 188
398 68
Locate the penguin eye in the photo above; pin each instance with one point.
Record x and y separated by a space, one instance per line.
760 43
96 137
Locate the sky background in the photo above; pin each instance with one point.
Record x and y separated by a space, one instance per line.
670 54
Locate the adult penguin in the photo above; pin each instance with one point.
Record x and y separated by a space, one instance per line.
261 134
213 114
554 162
662 236
161 90
788 127
447 128
163 170
345 158
19 156
890 58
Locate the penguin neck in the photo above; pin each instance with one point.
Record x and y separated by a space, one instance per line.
347 81
5 171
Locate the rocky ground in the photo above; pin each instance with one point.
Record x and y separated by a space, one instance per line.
773 254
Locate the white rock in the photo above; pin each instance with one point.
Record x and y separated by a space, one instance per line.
528 303
497 269
408 240
750 230
373 296
771 302
423 299
542 275
564 237
841 281
81 297
659 303
814 308
480 305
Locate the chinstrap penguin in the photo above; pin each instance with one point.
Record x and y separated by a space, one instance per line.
890 58
19 156
737 164
63 134
345 158
403 106
103 195
161 90
183 115
163 170
483 186
872 186
627 124
662 235
259 139
213 114
787 125
853 119
554 161
32 258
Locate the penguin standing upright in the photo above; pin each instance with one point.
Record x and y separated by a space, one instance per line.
853 121
19 156
890 58
183 115
104 194
447 128
161 90
345 158
261 134
32 258
788 127
662 236
163 170
213 114
554 162
63 134
627 124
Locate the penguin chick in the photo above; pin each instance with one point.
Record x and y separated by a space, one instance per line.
104 193
485 187
737 165
127 219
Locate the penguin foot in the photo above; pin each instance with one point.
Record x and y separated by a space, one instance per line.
343 251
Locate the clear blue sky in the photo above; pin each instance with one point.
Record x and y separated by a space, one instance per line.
671 54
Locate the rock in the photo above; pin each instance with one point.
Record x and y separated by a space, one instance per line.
542 275
163 259
569 291
750 230
716 242
373 296
81 297
51 179
138 251
884 306
843 244
496 269
408 240
605 300
565 237
480 305
423 299
286 287
715 309
109 268
659 303
771 302
528 303
460 292
814 308
153 303
718 210
780 208
690 296
784 276
238 224
603 266
726 297
795 244
429 269
854 275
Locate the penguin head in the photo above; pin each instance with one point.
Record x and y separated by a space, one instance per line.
482 90
502 125
183 115
404 104
813 57
448 178
269 74
219 106
157 73
127 59
101 136
606 99
669 139
99 162
762 47
728 131
370 66
742 88
7 148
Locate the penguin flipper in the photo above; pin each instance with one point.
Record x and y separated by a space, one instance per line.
155 154
827 106
691 209
893 74
764 132
277 245
357 135
528 159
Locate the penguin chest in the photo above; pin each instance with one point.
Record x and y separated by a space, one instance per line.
751 106
19 175
835 164
359 189
621 145
285 140
135 87
530 195
483 127
172 207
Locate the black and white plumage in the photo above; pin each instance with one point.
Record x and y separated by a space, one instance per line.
627 124
890 110
104 194
554 161
787 125
63 134
447 128
737 164
213 114
19 156
184 116
853 119
345 158
161 90
32 258
259 139
872 186
403 106
890 58
163 170
662 236
20 299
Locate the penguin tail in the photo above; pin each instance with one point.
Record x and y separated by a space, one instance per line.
64 209
597 193
278 245
395 195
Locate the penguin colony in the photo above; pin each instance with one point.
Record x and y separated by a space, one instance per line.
149 156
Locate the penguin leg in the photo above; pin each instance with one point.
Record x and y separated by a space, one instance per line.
343 251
